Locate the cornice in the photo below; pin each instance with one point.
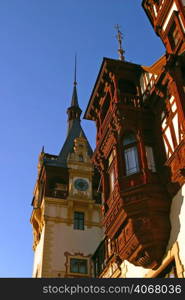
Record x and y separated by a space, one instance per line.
69 221
64 202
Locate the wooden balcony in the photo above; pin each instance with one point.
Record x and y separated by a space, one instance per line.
132 101
143 240
138 219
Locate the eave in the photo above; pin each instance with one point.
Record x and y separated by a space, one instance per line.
157 66
109 64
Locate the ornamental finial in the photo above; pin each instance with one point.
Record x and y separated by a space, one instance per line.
119 37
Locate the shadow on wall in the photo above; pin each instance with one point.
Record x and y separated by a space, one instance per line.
175 218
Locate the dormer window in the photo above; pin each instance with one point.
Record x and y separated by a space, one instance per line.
130 154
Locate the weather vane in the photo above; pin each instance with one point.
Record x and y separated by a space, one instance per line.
119 37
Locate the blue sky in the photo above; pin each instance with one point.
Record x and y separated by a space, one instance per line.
38 42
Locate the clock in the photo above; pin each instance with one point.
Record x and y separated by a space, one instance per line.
81 184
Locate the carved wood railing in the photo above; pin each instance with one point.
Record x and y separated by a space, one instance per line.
132 100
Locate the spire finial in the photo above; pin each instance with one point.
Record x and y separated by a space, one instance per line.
74 100
119 37
75 82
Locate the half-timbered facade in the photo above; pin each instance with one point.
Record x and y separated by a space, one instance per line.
140 153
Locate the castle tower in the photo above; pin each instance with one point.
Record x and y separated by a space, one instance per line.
66 205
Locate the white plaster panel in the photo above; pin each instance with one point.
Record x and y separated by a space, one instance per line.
169 137
174 7
176 127
73 241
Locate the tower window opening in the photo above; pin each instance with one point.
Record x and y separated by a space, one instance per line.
81 158
78 220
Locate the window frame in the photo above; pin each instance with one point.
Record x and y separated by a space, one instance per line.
131 145
78 261
77 225
112 177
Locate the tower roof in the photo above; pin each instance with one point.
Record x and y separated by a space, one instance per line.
74 100
74 125
74 111
74 131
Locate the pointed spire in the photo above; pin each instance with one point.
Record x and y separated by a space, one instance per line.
74 100
74 129
75 82
119 37
74 111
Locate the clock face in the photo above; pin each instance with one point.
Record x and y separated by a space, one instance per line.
81 184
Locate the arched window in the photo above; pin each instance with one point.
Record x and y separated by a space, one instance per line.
130 154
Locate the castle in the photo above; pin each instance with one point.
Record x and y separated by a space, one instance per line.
118 212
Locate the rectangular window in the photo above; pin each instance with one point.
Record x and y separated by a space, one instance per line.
150 158
112 179
131 160
78 266
78 220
